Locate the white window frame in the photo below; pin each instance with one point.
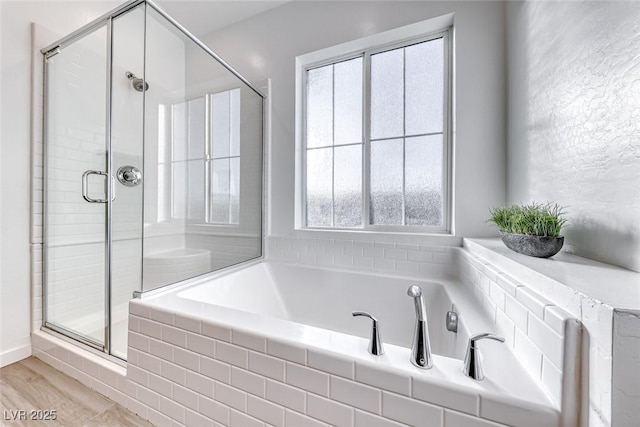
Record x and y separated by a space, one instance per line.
208 166
365 48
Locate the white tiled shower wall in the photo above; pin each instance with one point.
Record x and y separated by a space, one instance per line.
76 232
225 250
77 228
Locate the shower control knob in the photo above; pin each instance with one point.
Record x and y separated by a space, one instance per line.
129 176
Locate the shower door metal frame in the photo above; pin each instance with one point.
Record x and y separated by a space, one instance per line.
55 48
130 5
47 53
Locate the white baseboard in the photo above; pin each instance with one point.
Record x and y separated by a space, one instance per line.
14 355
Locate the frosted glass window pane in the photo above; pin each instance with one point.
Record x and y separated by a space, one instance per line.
387 94
348 186
423 180
424 87
348 101
180 131
319 187
196 190
164 196
386 182
196 128
234 189
320 106
220 132
179 190
220 191
234 125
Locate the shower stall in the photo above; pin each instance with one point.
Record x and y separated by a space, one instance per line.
153 169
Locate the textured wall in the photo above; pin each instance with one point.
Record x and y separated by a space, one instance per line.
266 45
574 119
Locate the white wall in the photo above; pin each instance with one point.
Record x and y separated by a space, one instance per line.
15 86
574 122
266 45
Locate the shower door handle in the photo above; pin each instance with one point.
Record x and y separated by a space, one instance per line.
85 187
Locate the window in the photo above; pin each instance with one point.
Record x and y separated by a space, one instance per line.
205 159
188 160
375 138
225 157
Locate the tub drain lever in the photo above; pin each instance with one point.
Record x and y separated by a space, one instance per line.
375 342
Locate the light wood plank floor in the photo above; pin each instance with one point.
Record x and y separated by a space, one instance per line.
31 385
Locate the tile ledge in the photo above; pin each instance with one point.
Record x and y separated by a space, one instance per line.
607 284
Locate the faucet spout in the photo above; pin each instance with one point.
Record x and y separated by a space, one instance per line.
421 347
416 293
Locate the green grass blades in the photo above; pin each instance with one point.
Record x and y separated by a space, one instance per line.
534 219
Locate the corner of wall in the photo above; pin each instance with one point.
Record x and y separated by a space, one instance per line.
625 409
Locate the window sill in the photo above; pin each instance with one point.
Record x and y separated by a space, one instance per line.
424 238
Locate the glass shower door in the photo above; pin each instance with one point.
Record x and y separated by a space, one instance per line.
77 189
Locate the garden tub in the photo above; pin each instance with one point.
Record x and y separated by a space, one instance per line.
266 326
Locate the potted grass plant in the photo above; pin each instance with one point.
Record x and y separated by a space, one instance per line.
532 229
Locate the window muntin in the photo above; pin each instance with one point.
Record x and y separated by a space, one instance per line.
395 173
205 159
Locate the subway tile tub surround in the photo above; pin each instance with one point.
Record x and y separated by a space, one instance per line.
542 294
245 374
200 364
541 334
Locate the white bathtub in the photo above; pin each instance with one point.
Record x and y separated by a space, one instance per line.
326 298
270 306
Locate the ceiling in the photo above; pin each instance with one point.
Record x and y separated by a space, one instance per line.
204 16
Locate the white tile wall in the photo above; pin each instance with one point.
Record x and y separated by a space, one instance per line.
262 385
626 368
533 326
76 228
410 260
571 284
225 250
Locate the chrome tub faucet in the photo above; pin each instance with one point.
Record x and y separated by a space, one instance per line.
421 348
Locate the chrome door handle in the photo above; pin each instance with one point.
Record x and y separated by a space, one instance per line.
85 187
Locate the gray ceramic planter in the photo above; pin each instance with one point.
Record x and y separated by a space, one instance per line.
536 246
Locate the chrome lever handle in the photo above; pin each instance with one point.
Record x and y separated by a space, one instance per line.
486 335
375 342
365 314
472 359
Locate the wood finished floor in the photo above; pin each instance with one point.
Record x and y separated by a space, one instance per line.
33 385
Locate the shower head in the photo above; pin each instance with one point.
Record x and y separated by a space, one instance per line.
138 84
